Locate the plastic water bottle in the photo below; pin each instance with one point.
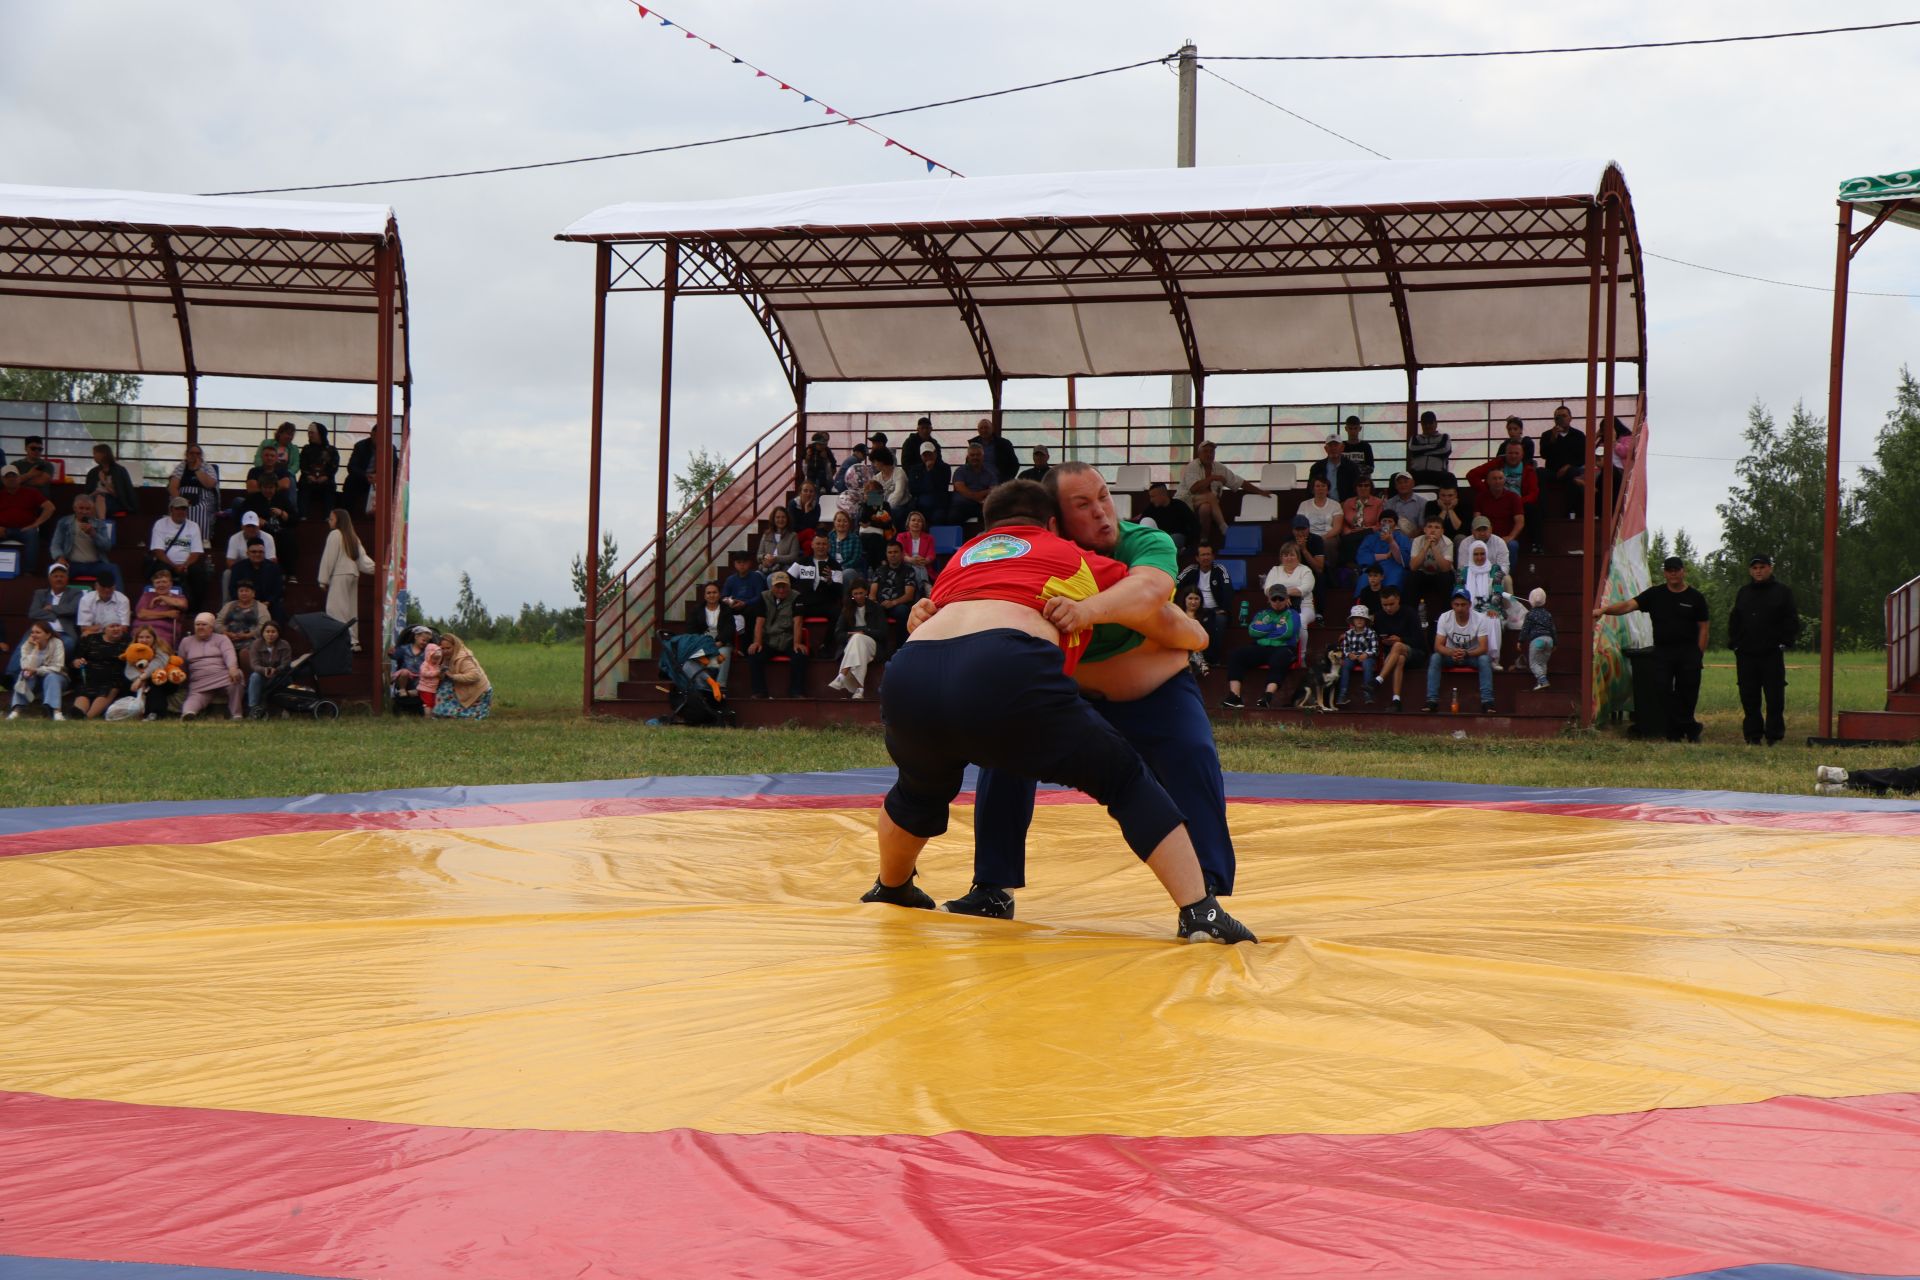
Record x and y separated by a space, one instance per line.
1246 610
1455 709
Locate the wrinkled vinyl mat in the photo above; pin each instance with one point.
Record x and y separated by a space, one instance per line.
644 1029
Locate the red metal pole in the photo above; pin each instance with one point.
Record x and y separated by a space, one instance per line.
602 277
667 294
1605 478
1199 413
1587 577
1830 531
383 513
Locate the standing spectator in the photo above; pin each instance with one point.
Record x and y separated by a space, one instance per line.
1456 517
1430 452
342 561
268 655
971 484
81 542
1764 622
110 484
780 538
58 605
37 470
101 608
1274 643
24 511
198 481
161 607
1387 548
1296 577
154 694
1202 483
1359 646
1680 626
860 638
1339 470
1042 463
743 592
1463 637
353 494
819 465
285 450
997 450
1563 457
1209 579
896 587
43 671
99 676
1356 450
779 632
1171 516
1538 635
241 618
1408 507
805 510
1502 508
432 660
319 472
1429 568
852 476
930 486
1359 516
269 584
176 541
1402 642
213 669
465 693
1322 513
918 544
1520 477
709 617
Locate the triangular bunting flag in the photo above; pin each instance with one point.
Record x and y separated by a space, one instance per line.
759 75
831 111
642 8
736 62
929 166
785 86
692 36
807 97
665 23
892 143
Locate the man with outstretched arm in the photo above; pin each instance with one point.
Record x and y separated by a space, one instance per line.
989 631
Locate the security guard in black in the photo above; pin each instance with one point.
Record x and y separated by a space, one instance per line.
1679 616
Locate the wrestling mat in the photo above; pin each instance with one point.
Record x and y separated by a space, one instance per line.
643 1028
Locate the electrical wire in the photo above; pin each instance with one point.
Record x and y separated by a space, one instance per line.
1529 53
1785 284
687 146
1289 111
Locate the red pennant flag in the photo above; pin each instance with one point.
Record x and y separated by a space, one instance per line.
892 143
692 36
642 8
832 112
759 75
786 86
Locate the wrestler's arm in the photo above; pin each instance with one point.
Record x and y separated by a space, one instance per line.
1141 601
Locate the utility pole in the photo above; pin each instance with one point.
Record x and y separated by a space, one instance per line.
1183 157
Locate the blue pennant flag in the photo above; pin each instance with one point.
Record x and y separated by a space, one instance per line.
806 97
930 166
665 23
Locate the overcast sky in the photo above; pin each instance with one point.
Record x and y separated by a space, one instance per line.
1733 154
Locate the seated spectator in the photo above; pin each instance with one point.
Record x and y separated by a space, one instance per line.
1196 661
1338 470
743 592
198 481
176 542
1313 554
971 484
464 692
819 466
1274 644
1518 476
58 605
101 608
1563 459
1430 452
81 541
43 672
1538 635
1482 534
851 483
1356 450
143 678
1386 547
779 632
213 670
874 521
24 512
283 448
816 581
1359 516
241 618
1169 515
896 499
1486 585
918 544
1002 462
1042 463
269 584
1322 513
1502 508
109 484
1462 638
1359 646
709 616
1455 514
930 485
1209 579
846 548
405 656
268 655
1293 575
1516 434
270 495
353 494
1429 569
318 473
914 449
36 468
249 532
1201 485
1402 642
1372 583
804 509
895 588
1408 507
99 676
860 638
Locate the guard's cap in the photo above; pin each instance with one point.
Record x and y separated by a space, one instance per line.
1672 563
1762 558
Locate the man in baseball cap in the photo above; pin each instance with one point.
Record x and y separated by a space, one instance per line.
1763 624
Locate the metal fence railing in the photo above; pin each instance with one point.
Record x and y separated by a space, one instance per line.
1903 636
150 439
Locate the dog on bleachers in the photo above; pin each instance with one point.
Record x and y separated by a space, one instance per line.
1320 682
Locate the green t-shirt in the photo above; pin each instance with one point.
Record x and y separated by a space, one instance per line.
1139 545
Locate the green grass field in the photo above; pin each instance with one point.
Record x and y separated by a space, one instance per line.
536 734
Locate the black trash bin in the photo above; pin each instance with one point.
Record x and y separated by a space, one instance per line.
1651 682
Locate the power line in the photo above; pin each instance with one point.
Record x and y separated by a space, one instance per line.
1289 111
688 146
1585 48
1785 284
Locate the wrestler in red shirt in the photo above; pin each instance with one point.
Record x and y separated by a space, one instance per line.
1026 564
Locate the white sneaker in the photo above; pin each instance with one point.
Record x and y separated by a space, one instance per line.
859 694
1830 773
58 714
14 714
1538 685
1829 789
838 682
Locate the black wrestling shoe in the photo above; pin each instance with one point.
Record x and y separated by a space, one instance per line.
1207 921
982 900
900 895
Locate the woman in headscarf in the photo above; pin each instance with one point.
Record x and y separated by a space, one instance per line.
1482 579
319 465
342 561
465 693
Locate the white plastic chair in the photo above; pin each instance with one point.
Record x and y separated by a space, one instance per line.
1131 478
1259 508
1279 475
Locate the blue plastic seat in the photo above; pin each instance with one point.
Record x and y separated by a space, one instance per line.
1242 540
946 538
1236 573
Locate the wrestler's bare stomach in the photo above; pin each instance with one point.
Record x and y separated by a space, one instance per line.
1133 674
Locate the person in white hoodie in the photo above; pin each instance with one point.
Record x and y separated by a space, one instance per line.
43 669
342 561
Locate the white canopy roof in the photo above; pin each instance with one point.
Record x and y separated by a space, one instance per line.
1261 268
143 282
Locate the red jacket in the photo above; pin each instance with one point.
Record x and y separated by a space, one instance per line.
1529 480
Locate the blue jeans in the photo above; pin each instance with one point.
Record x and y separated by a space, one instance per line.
1439 662
1366 677
1170 730
53 690
256 689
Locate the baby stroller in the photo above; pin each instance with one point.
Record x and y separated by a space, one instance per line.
291 688
695 697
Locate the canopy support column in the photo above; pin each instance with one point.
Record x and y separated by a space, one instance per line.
799 430
1147 241
602 278
1588 594
668 292
1397 292
1605 479
384 515
956 286
163 245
